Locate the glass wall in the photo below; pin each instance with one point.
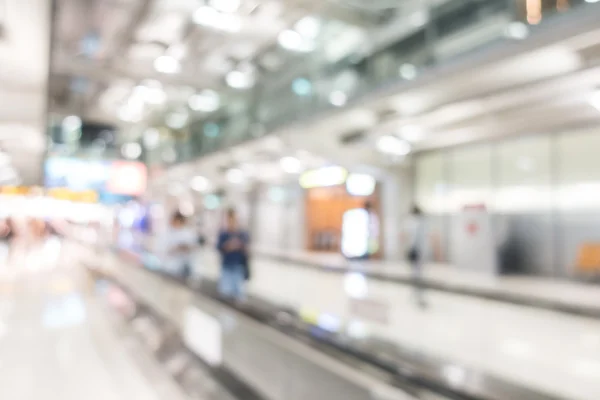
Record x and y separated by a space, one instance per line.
543 192
435 33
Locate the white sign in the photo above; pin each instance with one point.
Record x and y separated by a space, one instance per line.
474 248
202 334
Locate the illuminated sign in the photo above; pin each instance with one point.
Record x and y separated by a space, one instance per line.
323 177
84 196
127 177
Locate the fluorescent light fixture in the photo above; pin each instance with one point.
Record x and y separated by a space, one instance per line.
131 151
205 101
592 1
150 94
151 138
177 120
235 176
291 165
408 71
323 177
309 27
71 123
517 30
199 184
419 18
239 79
393 146
412 133
338 98
289 39
211 18
226 6
360 184
595 99
128 114
167 65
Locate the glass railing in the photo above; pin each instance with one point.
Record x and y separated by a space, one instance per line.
445 31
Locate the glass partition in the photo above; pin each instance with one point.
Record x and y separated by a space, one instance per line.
445 30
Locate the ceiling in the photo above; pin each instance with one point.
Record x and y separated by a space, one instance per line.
539 87
104 49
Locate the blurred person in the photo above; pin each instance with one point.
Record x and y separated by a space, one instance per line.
233 247
181 240
415 239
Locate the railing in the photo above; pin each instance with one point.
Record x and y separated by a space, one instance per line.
446 30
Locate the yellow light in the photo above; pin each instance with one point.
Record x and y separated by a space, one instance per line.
323 177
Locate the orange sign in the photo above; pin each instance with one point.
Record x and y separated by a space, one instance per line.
85 196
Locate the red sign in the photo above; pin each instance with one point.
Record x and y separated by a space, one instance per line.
127 178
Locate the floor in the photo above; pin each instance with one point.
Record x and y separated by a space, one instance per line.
562 291
543 350
56 338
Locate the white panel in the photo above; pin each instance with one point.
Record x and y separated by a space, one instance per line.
579 171
431 185
524 175
203 335
471 176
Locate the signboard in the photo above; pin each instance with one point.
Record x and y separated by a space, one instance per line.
474 243
202 334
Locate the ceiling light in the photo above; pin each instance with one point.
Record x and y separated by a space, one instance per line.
517 30
151 138
177 120
309 27
128 114
205 101
592 1
209 17
131 151
412 133
150 94
291 165
167 65
392 145
408 71
595 99
302 87
199 184
240 80
235 176
71 123
360 184
419 18
338 98
227 6
291 40
323 177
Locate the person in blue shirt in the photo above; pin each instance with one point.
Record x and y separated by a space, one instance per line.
233 246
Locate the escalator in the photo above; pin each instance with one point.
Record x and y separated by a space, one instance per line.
363 368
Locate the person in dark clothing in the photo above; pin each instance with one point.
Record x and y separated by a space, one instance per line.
233 246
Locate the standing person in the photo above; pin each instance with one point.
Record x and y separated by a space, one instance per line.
233 247
180 244
415 237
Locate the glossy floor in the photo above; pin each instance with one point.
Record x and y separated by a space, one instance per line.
544 350
56 338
